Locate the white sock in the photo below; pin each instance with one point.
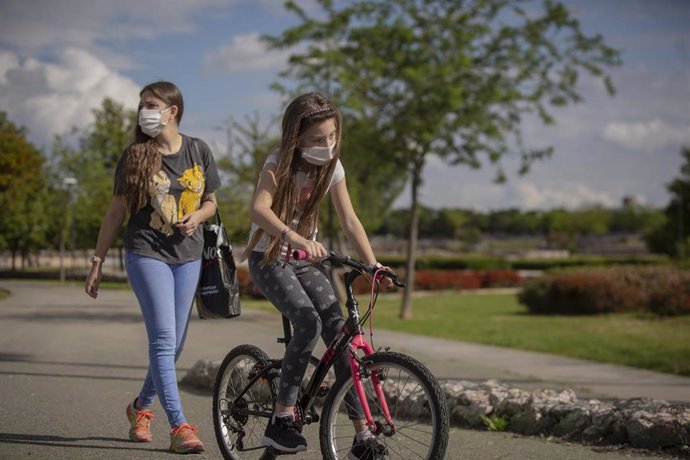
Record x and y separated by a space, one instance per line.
291 415
364 435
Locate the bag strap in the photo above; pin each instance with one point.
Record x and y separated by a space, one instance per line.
216 217
223 233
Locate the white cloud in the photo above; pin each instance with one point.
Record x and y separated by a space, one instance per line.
460 187
7 61
46 23
647 135
246 53
52 97
529 195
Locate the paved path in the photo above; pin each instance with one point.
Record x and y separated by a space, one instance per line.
69 365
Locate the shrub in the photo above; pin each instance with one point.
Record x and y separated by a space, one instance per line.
588 261
435 280
661 290
243 278
670 296
501 278
432 280
448 262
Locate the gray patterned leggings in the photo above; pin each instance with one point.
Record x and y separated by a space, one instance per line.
303 293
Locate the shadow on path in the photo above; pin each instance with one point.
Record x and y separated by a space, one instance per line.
61 441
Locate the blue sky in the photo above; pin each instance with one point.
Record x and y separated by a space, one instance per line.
59 59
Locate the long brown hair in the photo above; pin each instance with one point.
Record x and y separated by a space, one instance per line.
142 158
301 114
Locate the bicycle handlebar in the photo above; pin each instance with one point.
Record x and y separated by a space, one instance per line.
338 260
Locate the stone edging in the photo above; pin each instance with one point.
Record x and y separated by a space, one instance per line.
639 422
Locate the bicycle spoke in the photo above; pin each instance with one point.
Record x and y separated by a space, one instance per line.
415 404
239 421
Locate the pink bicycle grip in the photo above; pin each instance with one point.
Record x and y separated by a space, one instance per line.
299 254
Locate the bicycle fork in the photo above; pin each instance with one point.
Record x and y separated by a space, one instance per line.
360 343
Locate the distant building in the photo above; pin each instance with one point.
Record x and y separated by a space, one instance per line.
629 202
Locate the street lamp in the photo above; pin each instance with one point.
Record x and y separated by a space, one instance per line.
68 183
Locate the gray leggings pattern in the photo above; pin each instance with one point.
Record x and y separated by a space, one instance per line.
303 293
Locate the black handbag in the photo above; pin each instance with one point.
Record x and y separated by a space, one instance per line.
218 293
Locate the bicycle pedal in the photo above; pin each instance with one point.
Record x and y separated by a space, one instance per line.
323 391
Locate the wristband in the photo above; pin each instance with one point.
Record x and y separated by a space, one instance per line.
284 233
95 259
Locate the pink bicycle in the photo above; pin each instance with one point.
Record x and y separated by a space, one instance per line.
400 399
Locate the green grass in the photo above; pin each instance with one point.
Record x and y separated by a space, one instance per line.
660 344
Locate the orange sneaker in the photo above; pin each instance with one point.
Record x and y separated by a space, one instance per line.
140 421
183 440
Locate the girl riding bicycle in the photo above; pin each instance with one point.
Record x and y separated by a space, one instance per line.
295 178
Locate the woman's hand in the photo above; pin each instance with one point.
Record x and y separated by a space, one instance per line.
93 280
314 249
189 223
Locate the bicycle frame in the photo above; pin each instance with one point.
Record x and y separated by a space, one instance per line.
350 338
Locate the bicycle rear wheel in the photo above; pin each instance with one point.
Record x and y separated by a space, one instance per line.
240 424
415 402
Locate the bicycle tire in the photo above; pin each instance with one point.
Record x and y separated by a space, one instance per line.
239 435
416 403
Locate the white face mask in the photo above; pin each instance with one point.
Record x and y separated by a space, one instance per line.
150 121
318 156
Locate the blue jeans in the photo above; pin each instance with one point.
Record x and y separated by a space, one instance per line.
165 293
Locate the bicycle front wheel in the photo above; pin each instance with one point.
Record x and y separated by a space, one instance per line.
415 403
240 423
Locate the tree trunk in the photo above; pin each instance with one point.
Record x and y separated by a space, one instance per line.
406 307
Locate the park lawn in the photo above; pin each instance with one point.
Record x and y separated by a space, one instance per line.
659 344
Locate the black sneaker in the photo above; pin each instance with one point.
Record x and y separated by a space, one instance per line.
283 434
370 449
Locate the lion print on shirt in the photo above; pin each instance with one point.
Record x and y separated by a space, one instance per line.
164 214
192 180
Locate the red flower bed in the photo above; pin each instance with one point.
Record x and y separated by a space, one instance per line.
428 280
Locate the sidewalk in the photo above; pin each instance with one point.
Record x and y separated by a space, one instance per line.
212 339
69 364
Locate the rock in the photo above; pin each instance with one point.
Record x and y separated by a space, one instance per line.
639 422
202 375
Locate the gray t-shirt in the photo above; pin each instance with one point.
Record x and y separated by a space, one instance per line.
176 190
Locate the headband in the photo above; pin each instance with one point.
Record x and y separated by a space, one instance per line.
330 108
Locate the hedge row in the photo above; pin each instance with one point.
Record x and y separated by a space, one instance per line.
664 291
493 263
428 280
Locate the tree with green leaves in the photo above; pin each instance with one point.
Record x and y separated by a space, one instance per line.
248 143
22 192
80 175
672 235
91 160
451 78
373 180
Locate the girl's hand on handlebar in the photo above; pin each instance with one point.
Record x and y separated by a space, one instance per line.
314 249
386 281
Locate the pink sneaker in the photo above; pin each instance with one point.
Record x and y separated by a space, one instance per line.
140 421
183 440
